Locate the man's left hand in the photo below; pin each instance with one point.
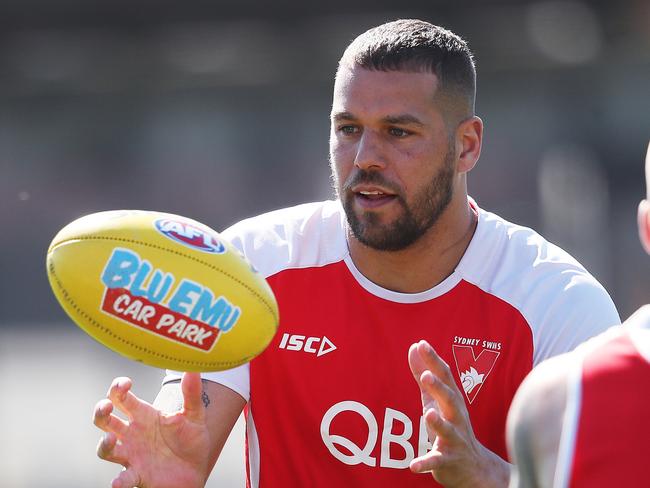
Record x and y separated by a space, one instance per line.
457 459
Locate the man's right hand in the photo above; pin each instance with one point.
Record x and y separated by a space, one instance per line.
157 449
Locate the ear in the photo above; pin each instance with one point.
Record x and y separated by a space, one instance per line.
469 139
643 218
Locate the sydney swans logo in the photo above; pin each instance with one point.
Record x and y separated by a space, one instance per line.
473 370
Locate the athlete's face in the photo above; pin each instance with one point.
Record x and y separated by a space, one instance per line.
392 162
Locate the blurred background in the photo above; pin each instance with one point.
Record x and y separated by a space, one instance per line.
219 110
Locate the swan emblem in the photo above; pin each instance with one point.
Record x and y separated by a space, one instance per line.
471 379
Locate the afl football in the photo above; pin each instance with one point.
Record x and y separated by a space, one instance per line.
161 289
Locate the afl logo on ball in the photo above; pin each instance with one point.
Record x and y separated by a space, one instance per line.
190 235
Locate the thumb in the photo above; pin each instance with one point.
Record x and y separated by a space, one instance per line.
192 389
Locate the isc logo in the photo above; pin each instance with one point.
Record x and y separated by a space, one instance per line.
312 345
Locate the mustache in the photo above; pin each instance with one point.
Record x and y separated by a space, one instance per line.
371 178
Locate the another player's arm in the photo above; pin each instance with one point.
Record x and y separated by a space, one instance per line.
534 424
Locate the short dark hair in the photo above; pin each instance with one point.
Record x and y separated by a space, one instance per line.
417 46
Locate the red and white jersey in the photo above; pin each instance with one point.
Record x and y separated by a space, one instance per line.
332 401
605 430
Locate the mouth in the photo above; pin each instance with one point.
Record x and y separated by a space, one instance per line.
372 198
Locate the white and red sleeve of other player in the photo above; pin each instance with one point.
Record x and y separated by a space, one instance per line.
332 400
605 429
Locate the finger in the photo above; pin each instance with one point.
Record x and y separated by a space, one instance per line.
440 429
433 362
192 389
107 422
444 434
449 400
128 478
416 366
122 397
415 362
108 449
422 357
431 461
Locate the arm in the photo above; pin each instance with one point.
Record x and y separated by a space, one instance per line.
457 459
174 442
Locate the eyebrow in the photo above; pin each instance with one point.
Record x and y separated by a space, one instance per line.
403 119
339 116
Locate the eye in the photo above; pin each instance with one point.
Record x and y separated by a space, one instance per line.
400 133
347 129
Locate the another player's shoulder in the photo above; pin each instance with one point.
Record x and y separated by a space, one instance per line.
629 339
309 234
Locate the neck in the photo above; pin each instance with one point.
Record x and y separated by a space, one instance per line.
426 262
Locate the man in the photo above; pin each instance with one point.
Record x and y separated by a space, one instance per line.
579 419
403 259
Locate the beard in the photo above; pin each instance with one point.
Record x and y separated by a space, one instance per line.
414 220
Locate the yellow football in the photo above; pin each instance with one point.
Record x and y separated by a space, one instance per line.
162 289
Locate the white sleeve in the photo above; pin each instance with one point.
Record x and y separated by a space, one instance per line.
237 379
582 310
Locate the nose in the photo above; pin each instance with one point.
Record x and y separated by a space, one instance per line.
370 154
